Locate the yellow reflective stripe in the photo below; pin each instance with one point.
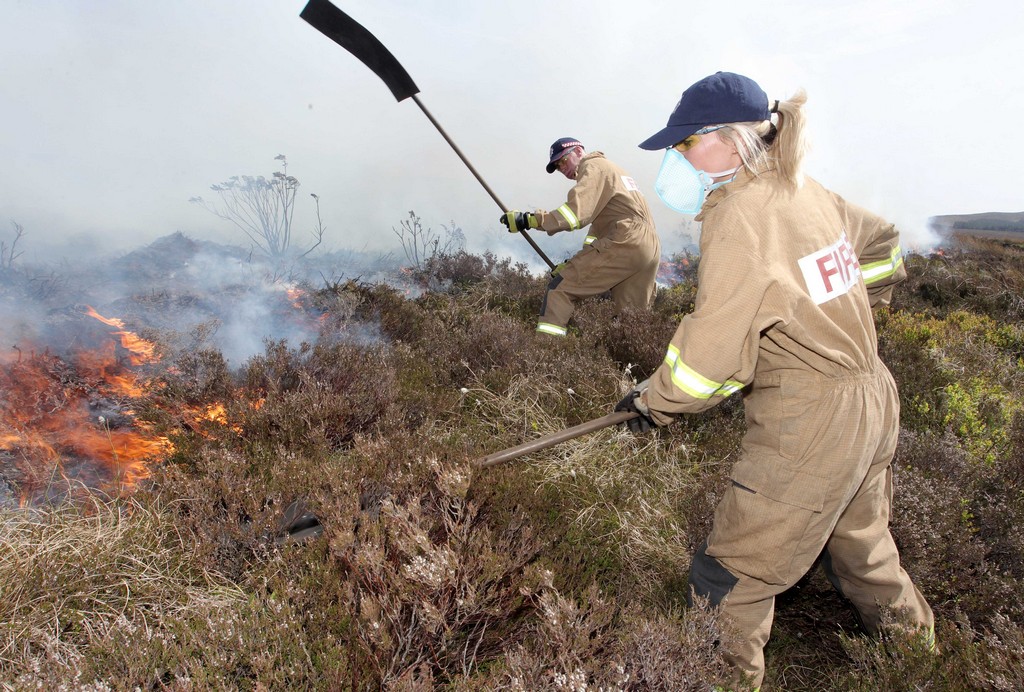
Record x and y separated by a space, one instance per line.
589 239
567 214
882 269
550 329
695 384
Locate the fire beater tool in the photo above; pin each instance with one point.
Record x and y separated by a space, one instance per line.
298 523
555 438
357 40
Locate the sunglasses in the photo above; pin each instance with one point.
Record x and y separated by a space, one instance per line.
563 163
692 141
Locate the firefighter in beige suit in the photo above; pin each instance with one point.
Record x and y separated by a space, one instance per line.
621 253
788 277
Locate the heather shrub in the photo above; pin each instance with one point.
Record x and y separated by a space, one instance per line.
461 270
398 318
436 593
236 500
1001 664
960 372
973 274
934 530
464 349
481 284
637 339
899 659
255 642
322 394
419 396
199 377
507 289
904 346
952 522
672 649
458 342
991 658
1000 507
596 643
980 412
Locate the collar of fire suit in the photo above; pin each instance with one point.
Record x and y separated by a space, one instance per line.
734 186
586 157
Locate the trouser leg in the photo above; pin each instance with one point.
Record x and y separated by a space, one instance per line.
638 288
757 549
590 272
748 608
862 561
557 307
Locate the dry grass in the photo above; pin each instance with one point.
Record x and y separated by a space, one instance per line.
73 575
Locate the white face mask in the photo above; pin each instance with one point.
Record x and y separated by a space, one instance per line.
681 186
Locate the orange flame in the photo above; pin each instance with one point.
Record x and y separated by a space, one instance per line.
49 422
672 271
295 295
140 350
301 300
103 362
217 414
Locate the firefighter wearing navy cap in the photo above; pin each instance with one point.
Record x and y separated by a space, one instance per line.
621 252
789 274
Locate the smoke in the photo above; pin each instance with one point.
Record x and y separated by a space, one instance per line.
183 295
114 142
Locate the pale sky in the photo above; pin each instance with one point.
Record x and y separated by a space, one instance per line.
115 113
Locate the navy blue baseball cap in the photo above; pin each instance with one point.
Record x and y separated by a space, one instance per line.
724 97
560 148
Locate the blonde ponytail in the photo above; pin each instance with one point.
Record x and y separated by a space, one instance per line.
763 145
790 145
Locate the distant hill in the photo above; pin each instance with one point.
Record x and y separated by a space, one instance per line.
991 223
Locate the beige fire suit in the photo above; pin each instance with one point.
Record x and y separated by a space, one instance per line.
621 252
786 285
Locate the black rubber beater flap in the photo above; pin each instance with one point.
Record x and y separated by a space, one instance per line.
353 37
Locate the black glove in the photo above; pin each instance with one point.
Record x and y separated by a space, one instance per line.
631 402
516 221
